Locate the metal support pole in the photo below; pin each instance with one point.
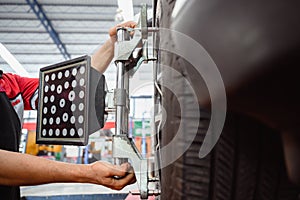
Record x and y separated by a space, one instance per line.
123 146
121 95
121 92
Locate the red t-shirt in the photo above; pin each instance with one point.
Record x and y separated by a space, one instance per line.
21 91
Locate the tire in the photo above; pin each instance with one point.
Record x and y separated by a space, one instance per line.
247 162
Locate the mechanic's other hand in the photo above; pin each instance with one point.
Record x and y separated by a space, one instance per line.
106 173
113 30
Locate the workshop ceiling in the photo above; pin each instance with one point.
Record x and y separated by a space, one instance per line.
52 30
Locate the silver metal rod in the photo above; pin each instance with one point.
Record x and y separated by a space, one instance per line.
123 84
120 74
126 108
121 34
121 113
120 85
150 29
119 109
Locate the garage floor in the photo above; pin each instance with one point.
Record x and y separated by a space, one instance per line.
60 191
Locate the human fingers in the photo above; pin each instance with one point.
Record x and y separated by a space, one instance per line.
121 182
112 176
130 172
128 24
118 170
126 167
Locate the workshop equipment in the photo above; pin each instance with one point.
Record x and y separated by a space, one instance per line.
73 101
130 52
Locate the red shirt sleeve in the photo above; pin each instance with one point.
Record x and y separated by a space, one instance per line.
27 87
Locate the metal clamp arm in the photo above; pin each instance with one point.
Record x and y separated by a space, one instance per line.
123 147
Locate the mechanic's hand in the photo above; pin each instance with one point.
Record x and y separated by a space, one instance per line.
113 31
106 173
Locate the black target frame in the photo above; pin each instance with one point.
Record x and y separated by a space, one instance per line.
71 102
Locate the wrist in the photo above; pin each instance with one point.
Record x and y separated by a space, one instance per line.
82 173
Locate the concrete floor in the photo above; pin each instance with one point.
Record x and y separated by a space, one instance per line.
67 190
71 189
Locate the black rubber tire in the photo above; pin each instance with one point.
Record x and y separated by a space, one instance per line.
247 163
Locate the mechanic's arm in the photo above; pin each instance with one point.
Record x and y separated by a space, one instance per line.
23 169
104 55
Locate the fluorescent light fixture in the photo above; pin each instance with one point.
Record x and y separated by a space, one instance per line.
12 61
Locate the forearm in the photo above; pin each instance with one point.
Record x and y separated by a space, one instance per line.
103 56
23 169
